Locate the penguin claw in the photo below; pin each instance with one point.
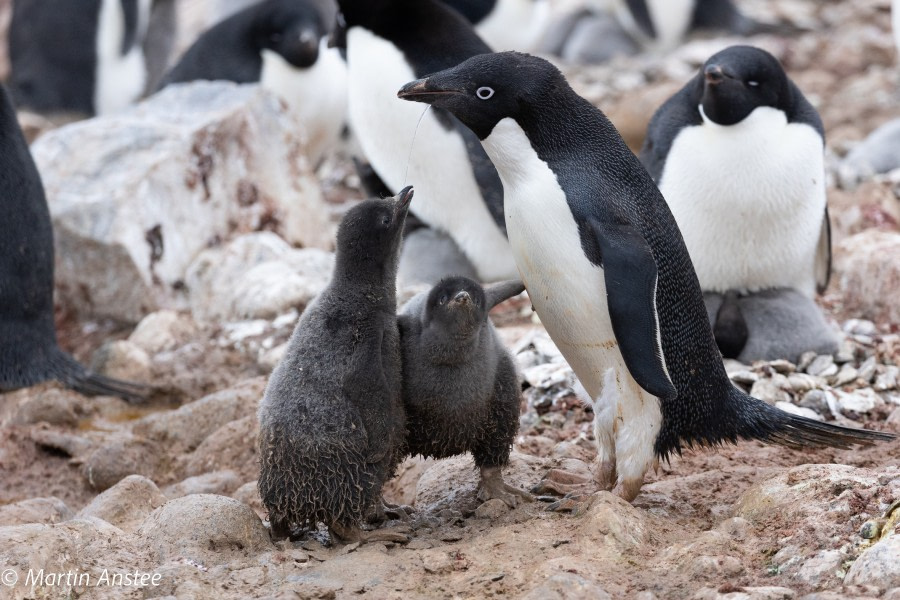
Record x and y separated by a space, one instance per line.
493 486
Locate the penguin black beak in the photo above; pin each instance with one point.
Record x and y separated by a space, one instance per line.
403 200
714 74
423 90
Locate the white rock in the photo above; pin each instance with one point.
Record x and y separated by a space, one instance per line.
822 366
867 369
256 276
801 411
135 196
888 380
867 272
846 375
547 375
858 401
163 331
878 565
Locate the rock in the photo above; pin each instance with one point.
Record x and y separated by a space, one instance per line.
821 570
436 561
822 366
163 331
867 272
744 377
270 358
204 528
452 481
802 382
123 360
126 504
878 565
35 510
152 186
806 359
232 446
790 407
785 367
747 593
218 482
249 495
255 276
816 400
567 586
867 370
769 390
119 458
547 375
878 153
491 509
846 352
53 405
888 380
858 401
847 374
860 327
185 428
614 523
716 566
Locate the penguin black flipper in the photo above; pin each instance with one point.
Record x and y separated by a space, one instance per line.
823 255
630 274
641 15
74 376
502 291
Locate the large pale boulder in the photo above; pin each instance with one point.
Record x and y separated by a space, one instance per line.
867 270
136 196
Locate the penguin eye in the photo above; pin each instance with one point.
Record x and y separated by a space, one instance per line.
753 83
386 220
443 300
484 93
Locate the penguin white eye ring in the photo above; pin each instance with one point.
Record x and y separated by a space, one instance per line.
753 83
484 93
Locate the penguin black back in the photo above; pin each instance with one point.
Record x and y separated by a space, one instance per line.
29 353
625 226
332 420
231 50
729 86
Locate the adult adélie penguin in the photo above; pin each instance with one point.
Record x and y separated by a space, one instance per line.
608 272
390 42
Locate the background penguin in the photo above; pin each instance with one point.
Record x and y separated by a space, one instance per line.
738 154
663 24
460 386
283 45
608 272
507 24
388 43
29 353
332 421
778 322
87 56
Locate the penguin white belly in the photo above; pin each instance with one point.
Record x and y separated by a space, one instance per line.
749 200
515 25
569 294
447 195
119 79
317 95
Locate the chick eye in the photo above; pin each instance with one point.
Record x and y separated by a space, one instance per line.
753 83
484 93
386 220
443 300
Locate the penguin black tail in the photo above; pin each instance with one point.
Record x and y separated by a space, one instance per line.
758 420
73 375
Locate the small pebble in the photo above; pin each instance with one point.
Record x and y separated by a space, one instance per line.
805 360
782 366
888 379
847 374
744 377
866 371
822 366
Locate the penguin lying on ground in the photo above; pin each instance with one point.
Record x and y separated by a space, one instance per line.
460 386
29 353
507 24
283 45
332 422
607 271
738 154
88 56
388 43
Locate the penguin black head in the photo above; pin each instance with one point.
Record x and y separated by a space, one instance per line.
739 79
457 306
488 88
371 231
290 28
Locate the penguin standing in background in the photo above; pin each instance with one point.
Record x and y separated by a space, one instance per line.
283 45
85 57
388 43
738 154
507 24
663 24
607 271
29 353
